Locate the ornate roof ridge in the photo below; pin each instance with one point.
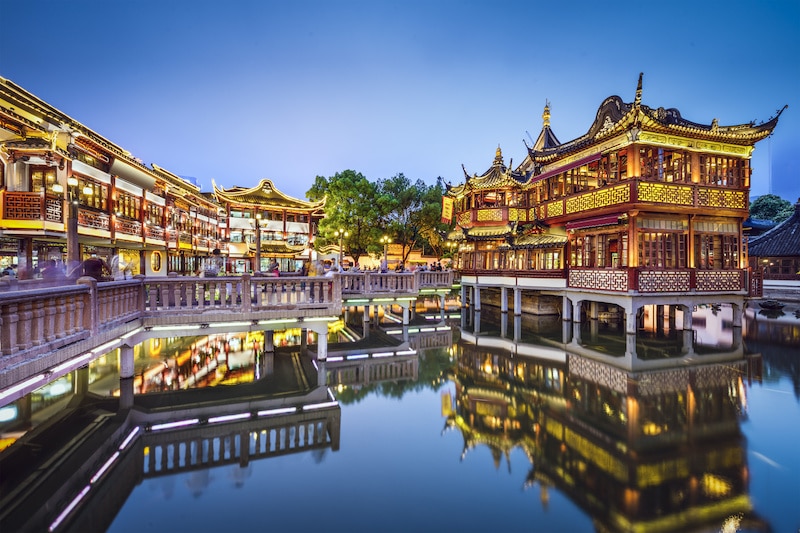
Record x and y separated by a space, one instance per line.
266 189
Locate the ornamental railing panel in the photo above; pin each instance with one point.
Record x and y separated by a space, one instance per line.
154 232
22 205
720 280
664 280
665 193
599 279
599 198
718 197
94 220
464 218
128 227
53 208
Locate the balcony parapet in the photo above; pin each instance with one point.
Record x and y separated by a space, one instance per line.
648 280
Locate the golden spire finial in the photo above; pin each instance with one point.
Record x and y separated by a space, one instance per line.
498 156
546 114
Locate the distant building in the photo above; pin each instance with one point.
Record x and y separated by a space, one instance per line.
261 224
776 252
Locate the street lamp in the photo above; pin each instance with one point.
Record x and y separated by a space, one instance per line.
385 240
258 242
341 234
73 248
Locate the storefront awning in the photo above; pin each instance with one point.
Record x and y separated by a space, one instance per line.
539 241
608 220
580 162
489 231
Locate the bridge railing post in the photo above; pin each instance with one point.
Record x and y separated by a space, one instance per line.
90 313
247 292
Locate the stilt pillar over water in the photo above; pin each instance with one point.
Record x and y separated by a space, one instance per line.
321 329
476 322
405 306
126 393
503 299
269 341
631 325
126 366
303 340
566 309
687 317
80 385
463 299
476 298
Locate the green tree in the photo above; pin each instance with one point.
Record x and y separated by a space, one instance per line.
771 207
351 205
412 212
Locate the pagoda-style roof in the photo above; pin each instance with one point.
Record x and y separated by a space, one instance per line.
615 117
781 241
264 194
534 240
497 177
489 232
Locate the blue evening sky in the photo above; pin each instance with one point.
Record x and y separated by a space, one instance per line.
237 91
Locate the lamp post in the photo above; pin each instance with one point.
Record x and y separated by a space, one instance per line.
385 240
341 234
73 248
258 243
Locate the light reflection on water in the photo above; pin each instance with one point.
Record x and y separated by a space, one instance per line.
549 443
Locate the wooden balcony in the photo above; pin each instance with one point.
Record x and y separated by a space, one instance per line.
32 206
642 193
647 280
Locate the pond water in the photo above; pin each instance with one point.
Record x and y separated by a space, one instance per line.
475 433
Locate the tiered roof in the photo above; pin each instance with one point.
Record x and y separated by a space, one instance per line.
498 176
781 241
264 194
615 117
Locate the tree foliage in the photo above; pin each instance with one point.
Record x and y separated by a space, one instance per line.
412 213
771 207
351 206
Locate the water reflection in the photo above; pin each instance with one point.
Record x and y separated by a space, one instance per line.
660 448
638 451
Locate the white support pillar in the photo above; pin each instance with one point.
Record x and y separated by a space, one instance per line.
737 315
476 291
687 317
630 321
517 301
576 311
126 366
269 341
321 329
303 340
404 306
594 310
503 299
566 306
463 298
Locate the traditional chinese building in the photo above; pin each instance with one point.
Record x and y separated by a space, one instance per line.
777 252
655 450
263 225
645 207
68 194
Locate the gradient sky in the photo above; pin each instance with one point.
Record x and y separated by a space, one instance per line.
237 91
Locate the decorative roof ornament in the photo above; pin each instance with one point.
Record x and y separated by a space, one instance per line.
498 157
638 100
546 114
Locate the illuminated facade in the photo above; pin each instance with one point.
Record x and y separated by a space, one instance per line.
68 193
660 450
262 224
646 204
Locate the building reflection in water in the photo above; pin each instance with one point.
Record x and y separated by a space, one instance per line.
654 450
